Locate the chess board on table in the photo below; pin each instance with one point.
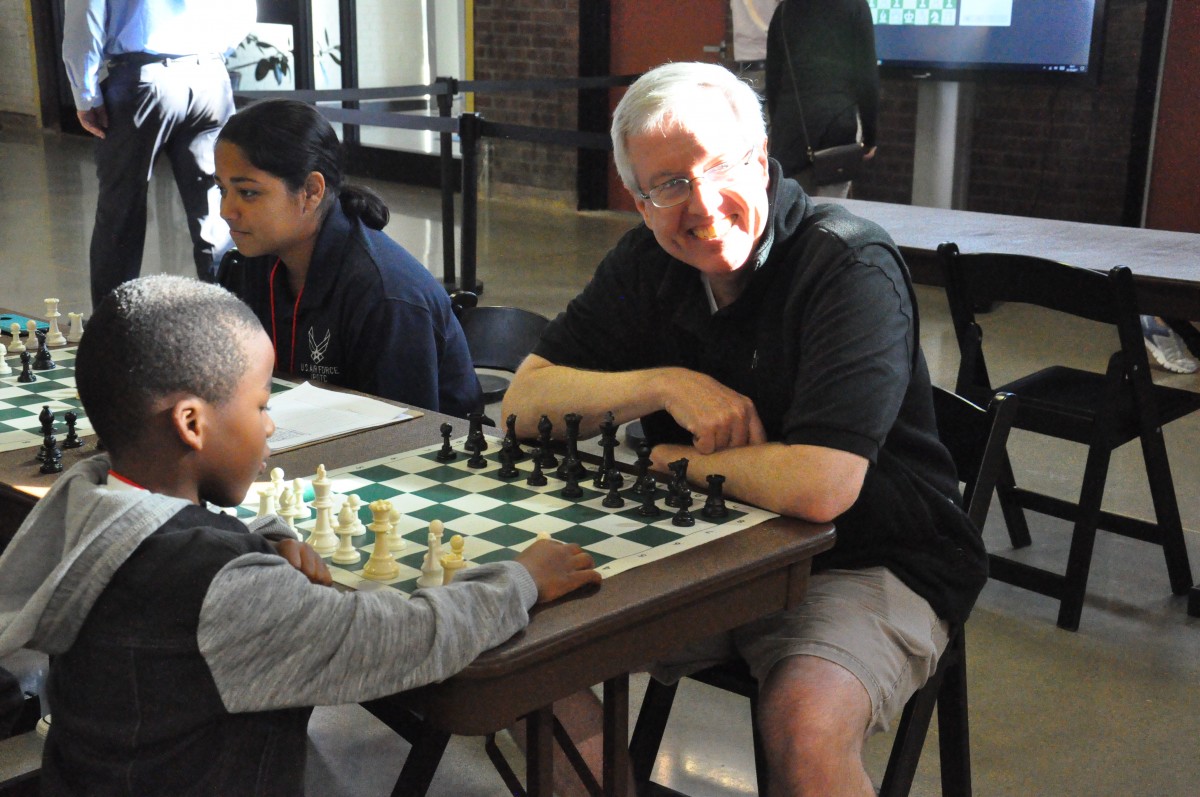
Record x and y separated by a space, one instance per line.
499 517
22 402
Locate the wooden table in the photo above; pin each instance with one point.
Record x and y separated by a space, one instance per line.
591 637
1165 264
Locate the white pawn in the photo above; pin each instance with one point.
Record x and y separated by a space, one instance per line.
277 481
31 341
346 519
382 566
5 368
395 541
453 561
17 346
346 553
54 336
75 331
431 566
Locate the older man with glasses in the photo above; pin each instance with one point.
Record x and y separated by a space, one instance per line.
775 342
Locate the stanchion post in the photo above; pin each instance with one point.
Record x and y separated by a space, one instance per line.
468 144
445 102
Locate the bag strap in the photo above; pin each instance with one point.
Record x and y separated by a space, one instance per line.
787 52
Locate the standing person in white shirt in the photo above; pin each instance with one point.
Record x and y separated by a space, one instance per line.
166 90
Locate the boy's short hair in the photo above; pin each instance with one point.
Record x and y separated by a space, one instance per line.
153 337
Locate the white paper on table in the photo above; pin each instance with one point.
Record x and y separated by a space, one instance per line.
306 413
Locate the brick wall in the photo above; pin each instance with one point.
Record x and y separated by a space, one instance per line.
1058 153
524 40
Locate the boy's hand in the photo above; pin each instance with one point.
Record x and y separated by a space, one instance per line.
558 568
301 556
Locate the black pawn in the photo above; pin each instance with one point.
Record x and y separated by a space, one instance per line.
52 462
446 453
545 429
26 374
510 434
613 500
572 489
714 505
683 517
507 469
536 478
643 482
648 507
42 361
73 440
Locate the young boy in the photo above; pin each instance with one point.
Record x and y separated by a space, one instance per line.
187 650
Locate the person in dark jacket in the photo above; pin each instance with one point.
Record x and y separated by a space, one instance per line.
775 342
821 68
342 302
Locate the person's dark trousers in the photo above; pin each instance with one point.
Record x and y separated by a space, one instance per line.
174 106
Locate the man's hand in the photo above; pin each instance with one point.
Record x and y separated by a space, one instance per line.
558 568
94 120
717 416
301 556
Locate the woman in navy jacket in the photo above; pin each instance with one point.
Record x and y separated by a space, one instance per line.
342 302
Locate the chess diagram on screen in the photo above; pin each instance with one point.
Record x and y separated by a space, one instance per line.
914 12
496 515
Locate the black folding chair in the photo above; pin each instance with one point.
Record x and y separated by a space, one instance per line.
976 440
499 339
1100 410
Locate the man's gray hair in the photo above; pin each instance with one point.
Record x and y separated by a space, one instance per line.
674 92
154 337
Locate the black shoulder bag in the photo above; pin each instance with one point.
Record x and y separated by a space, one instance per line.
833 164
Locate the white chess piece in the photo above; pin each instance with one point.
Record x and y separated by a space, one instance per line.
355 504
54 336
453 561
382 566
266 501
323 540
5 368
31 341
431 566
16 347
395 541
302 512
287 507
75 331
346 553
277 481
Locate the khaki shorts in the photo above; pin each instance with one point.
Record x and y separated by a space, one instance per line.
867 621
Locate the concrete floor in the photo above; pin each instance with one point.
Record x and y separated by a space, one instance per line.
1109 710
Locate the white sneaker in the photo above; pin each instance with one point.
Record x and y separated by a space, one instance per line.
1166 348
43 726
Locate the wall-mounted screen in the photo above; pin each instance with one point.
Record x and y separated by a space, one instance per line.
973 39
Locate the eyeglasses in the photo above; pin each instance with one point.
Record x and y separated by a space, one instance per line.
677 190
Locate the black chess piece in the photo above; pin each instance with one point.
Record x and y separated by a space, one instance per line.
536 478
683 517
572 420
678 484
475 434
52 462
42 361
545 429
613 500
510 425
714 505
643 482
608 442
446 453
572 489
648 507
507 469
26 374
475 446
73 440
46 419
